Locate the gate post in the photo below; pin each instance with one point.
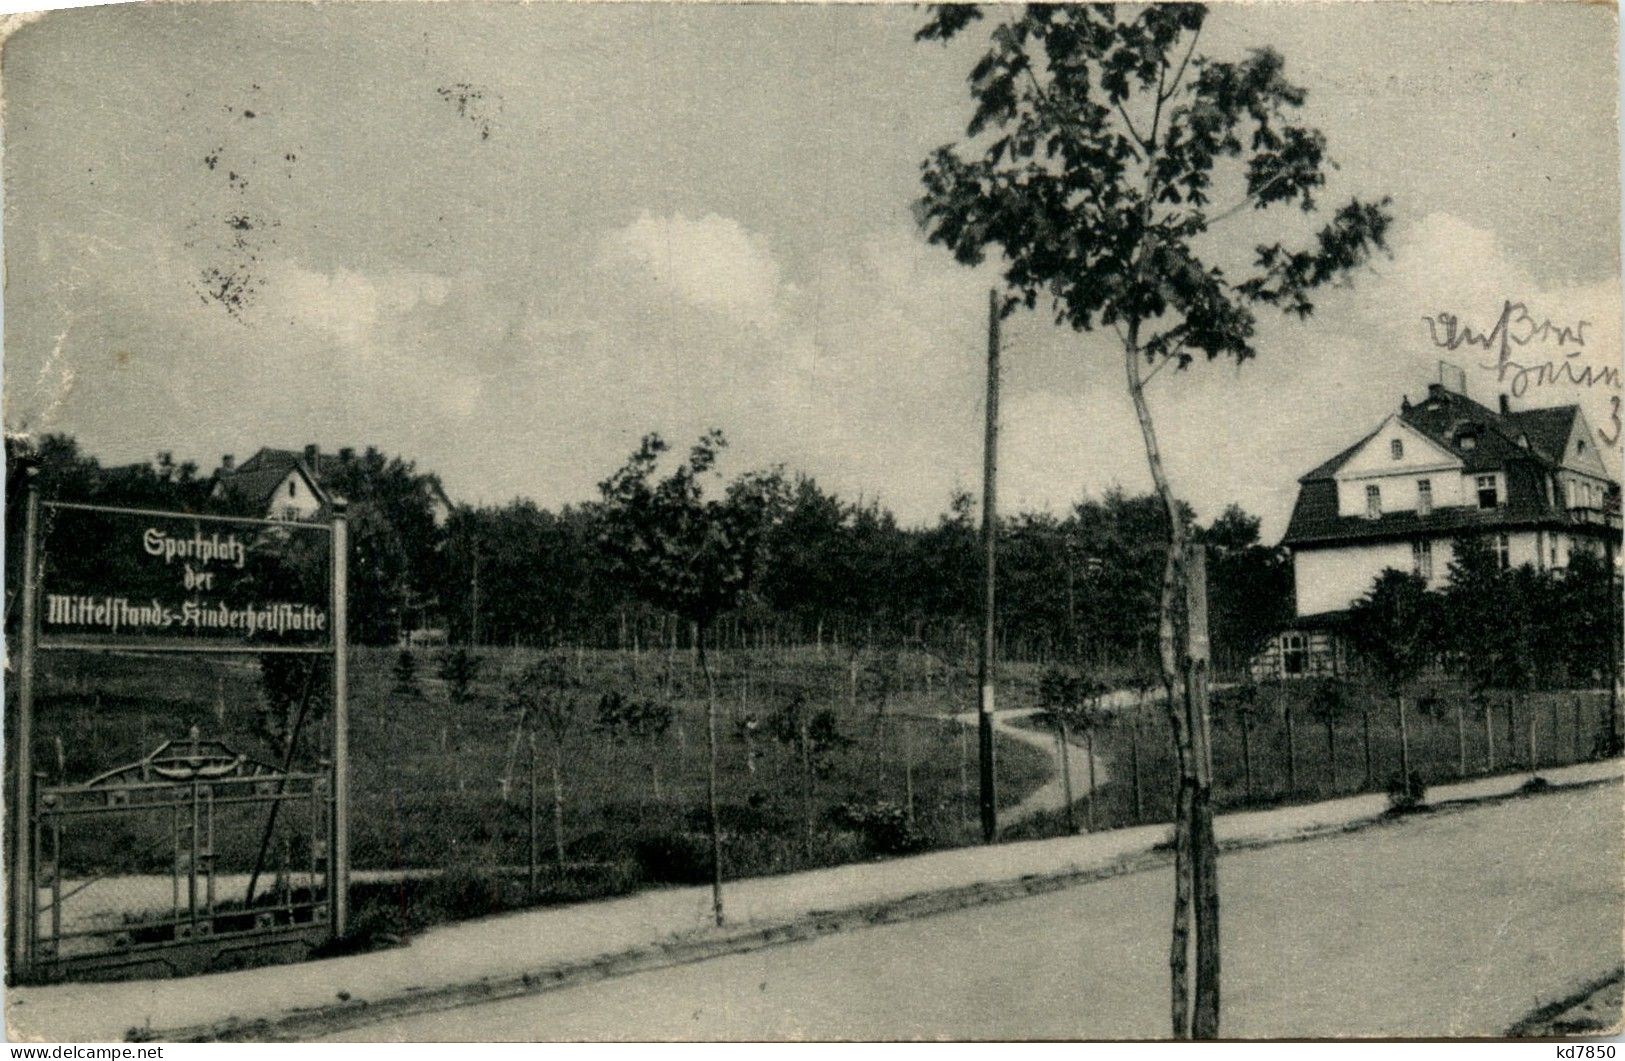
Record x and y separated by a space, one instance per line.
23 894
338 849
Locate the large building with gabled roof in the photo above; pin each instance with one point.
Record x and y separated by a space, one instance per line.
1530 481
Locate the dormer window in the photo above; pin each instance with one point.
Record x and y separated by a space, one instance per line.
1489 495
1396 449
1373 502
1467 440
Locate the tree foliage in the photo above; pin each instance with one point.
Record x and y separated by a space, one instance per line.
1100 141
1394 627
692 555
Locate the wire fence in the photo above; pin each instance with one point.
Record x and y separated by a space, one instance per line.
824 757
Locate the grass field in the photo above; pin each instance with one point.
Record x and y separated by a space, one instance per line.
1301 762
428 775
443 785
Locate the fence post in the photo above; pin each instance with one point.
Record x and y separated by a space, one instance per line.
23 895
531 857
339 841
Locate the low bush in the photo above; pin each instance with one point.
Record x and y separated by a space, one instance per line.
1406 793
883 825
670 857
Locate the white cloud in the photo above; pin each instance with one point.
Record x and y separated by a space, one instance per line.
351 306
713 263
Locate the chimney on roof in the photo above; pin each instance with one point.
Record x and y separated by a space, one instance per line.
1405 404
1436 391
310 457
228 463
347 454
1506 406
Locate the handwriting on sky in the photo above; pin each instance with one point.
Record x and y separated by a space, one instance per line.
1531 351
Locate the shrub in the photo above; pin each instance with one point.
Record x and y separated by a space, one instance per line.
1405 794
883 825
671 857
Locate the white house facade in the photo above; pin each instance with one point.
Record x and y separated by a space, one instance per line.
1530 482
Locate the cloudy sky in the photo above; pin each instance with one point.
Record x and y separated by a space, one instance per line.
508 240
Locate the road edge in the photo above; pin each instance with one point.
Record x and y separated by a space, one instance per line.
305 1024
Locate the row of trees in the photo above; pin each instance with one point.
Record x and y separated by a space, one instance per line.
1507 631
1083 583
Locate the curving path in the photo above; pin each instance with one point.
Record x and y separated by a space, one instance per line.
1051 795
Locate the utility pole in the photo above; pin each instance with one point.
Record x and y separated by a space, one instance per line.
990 465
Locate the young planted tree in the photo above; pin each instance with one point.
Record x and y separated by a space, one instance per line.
1095 151
1142 683
692 555
545 699
1060 690
1289 725
879 682
815 736
1089 719
459 669
1484 707
637 722
1240 707
1394 627
1328 702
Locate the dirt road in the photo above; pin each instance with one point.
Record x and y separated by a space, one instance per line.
1449 924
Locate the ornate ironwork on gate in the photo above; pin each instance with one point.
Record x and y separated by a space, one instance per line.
181 786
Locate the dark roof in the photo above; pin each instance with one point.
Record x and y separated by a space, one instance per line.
1318 529
257 478
1327 470
1548 429
1319 621
1445 417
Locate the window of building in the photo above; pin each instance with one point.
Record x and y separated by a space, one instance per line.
1488 495
293 488
1397 449
1503 551
1422 558
290 512
1424 496
1373 501
1294 653
1579 445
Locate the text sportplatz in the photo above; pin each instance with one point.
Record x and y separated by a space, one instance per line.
204 550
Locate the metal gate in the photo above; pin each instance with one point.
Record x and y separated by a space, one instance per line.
180 787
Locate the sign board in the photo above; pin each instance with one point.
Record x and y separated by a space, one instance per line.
1199 645
153 580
